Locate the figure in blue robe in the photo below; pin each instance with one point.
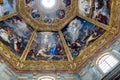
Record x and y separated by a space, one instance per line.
53 50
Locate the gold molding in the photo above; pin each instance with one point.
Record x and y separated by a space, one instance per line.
7 16
65 47
39 25
25 53
1 1
66 66
106 27
11 57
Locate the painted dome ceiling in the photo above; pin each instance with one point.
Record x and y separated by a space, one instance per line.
50 35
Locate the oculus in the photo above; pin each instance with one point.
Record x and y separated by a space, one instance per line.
48 4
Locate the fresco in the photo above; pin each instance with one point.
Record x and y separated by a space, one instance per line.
96 9
67 3
79 34
60 14
35 13
15 34
47 46
8 7
30 3
47 15
47 18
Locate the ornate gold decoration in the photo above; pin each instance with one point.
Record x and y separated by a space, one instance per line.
21 64
66 47
1 1
7 16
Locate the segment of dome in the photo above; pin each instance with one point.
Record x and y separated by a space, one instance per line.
15 34
47 46
79 34
55 35
98 10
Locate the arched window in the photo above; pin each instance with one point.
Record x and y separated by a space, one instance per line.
46 78
107 63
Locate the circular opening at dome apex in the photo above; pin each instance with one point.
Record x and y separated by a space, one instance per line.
49 4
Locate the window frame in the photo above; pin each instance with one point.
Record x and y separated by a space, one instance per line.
45 77
106 63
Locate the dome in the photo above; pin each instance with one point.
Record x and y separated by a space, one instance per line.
54 35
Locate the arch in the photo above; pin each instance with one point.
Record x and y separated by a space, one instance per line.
106 62
46 78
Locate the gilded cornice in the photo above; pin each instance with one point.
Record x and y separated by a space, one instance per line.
72 65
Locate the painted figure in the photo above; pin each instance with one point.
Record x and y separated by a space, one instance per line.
35 13
74 28
48 18
60 14
79 34
18 45
67 2
15 34
84 7
98 10
8 7
4 35
47 46
30 2
53 49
